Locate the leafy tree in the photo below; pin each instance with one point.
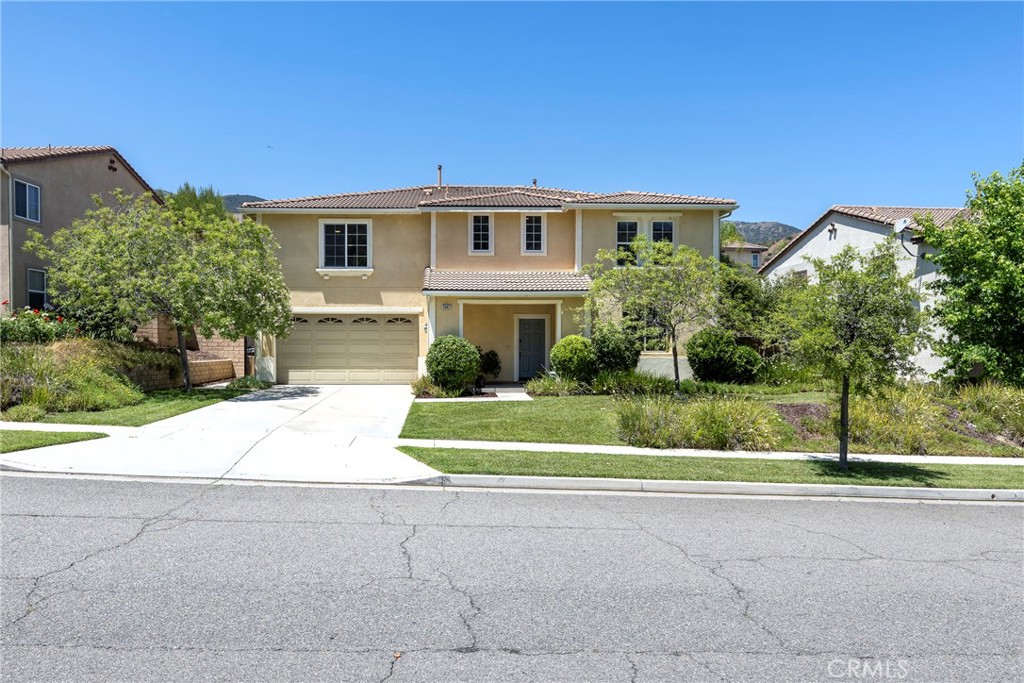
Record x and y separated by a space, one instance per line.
674 289
981 280
139 260
728 234
203 200
859 323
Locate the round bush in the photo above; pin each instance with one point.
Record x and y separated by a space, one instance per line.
616 349
715 356
573 357
452 362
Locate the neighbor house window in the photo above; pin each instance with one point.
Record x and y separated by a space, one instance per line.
481 234
533 235
661 231
26 201
625 233
345 244
37 288
755 260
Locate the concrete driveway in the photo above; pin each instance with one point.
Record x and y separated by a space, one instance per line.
287 433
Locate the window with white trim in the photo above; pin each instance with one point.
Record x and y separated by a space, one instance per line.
481 234
534 241
755 260
26 201
345 244
625 233
37 296
662 231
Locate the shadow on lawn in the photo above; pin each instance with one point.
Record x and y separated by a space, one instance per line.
861 471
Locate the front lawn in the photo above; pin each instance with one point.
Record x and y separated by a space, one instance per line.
570 419
525 463
20 440
156 405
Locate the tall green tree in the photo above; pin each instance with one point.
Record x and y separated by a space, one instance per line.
141 260
728 233
204 200
671 289
981 281
859 323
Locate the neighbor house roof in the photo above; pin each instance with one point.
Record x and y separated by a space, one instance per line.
749 246
17 155
504 281
883 215
427 197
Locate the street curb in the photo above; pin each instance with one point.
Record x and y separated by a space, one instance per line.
721 488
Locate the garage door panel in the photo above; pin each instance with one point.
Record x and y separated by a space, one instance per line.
340 350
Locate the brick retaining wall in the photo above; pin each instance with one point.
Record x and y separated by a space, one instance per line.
150 378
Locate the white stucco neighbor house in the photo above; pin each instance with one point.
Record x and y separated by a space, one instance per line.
863 227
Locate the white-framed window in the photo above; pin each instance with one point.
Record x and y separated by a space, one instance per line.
755 260
26 201
37 296
481 234
662 231
346 243
625 233
535 241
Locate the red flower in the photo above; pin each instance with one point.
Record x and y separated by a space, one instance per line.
3 303
35 311
60 319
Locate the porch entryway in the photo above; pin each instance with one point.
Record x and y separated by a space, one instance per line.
531 334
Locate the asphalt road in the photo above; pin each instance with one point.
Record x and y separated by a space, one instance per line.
127 581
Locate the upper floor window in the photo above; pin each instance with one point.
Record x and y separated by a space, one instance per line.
37 297
481 234
625 233
346 244
533 235
755 260
26 201
661 231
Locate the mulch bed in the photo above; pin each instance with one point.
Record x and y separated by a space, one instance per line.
796 413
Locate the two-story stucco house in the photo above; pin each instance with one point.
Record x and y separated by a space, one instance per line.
45 189
864 227
745 253
376 276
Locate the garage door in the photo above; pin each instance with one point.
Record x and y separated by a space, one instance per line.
349 349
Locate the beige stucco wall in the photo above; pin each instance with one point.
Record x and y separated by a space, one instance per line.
692 228
453 243
66 186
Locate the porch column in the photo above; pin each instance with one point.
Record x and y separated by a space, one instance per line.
558 321
716 239
431 319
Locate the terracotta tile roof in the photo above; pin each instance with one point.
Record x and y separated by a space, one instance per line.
631 197
504 281
885 215
476 196
14 155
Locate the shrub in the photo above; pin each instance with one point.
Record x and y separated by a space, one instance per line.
573 357
899 420
548 385
715 356
632 383
248 382
490 363
718 424
34 326
25 413
452 362
422 387
615 349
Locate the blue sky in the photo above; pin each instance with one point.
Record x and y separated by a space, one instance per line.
787 108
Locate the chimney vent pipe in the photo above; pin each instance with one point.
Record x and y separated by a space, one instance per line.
439 175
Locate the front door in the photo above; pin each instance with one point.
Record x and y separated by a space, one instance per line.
531 347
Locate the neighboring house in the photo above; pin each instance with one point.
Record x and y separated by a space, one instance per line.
746 253
51 187
375 277
863 227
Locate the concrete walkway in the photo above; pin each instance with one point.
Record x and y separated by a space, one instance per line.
293 433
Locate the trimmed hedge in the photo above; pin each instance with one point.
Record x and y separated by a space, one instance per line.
573 357
452 362
715 356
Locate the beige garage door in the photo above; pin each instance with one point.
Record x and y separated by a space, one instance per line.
349 349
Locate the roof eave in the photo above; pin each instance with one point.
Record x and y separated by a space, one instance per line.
651 207
330 212
528 294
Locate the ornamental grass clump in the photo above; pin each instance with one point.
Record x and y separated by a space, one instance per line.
551 385
901 419
994 406
711 423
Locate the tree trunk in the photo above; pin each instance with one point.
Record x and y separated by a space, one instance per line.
183 355
844 422
675 358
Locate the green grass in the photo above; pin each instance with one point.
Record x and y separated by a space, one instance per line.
156 405
511 463
20 440
569 419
